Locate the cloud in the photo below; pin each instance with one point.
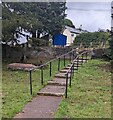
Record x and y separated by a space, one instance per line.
91 15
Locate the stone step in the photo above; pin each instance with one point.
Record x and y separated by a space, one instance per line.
74 65
75 68
63 71
51 90
79 63
58 81
80 60
60 75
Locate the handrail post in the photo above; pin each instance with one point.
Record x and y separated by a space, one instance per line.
70 56
58 64
82 57
73 68
77 62
86 56
30 76
50 68
73 55
64 60
66 85
42 75
70 77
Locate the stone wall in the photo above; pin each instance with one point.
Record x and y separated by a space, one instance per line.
98 53
39 56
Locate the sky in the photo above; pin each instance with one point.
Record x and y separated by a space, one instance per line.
91 15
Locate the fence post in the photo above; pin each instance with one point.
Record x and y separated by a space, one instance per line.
73 55
82 57
50 68
66 85
73 68
30 76
70 56
42 75
58 64
77 62
70 77
64 61
86 56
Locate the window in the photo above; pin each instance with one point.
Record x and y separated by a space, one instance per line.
72 35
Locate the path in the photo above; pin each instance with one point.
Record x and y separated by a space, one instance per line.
48 99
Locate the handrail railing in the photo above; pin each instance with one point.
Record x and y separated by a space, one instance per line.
71 56
71 69
51 60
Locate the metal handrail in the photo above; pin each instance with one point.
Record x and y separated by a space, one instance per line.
37 67
75 60
72 68
50 63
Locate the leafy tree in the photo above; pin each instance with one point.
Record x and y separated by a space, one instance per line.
69 23
111 47
94 38
45 17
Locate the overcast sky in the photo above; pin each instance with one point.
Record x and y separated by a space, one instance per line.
91 15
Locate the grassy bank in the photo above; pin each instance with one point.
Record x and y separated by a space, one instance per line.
90 94
15 85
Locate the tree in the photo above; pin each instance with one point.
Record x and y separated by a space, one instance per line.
111 47
69 23
94 38
45 17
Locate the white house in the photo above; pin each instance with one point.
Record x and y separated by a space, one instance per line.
71 33
112 16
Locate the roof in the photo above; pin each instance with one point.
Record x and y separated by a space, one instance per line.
75 30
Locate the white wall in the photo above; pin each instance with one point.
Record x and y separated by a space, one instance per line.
70 38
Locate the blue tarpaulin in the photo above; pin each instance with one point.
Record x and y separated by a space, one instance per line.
59 39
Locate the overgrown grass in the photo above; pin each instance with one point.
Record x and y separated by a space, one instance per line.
90 94
15 85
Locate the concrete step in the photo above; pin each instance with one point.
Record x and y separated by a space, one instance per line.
79 63
80 60
51 90
75 65
75 68
60 75
58 82
63 71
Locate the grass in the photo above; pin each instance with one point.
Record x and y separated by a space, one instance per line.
15 88
90 93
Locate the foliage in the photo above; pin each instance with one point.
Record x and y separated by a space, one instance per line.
69 23
94 38
111 46
45 17
38 42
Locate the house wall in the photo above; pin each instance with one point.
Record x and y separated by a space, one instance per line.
70 37
73 36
